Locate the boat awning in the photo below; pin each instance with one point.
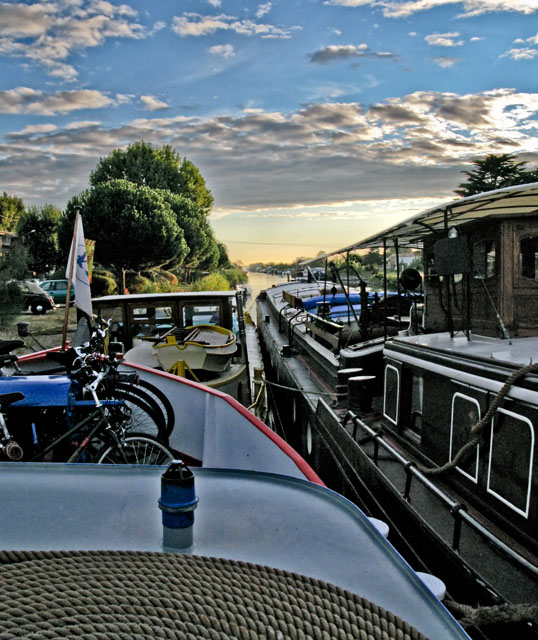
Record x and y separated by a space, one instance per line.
519 200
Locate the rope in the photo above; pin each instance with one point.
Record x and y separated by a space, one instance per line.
476 429
504 613
102 595
316 393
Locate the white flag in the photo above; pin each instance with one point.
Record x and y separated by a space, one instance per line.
83 296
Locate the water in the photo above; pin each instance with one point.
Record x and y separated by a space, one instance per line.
259 282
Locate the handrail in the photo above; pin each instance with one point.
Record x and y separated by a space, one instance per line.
457 509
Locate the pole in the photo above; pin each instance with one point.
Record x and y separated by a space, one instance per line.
70 280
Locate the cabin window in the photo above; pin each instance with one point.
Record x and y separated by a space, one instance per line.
511 460
417 404
193 314
528 257
484 259
465 414
152 321
392 393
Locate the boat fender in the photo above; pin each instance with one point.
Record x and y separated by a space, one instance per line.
436 586
177 503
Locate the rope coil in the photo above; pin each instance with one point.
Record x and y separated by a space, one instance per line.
100 595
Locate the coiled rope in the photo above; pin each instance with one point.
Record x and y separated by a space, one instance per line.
101 595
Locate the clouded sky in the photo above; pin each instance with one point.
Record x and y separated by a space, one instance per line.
314 122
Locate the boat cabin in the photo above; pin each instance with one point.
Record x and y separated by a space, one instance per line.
154 314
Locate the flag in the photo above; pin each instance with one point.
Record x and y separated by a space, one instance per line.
79 272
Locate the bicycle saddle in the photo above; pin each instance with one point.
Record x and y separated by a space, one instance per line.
6 346
9 398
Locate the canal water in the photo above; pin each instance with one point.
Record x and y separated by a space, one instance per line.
259 282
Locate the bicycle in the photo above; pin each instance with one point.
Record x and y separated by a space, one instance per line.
150 410
101 435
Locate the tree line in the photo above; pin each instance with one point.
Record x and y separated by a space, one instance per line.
146 209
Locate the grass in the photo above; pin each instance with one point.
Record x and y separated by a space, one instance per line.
45 331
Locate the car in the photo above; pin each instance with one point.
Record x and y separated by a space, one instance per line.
58 290
35 298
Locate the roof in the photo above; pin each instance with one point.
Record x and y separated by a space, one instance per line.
178 295
520 200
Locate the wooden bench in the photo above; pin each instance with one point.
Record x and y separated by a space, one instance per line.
324 329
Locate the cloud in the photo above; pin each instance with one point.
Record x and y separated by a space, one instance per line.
222 50
523 53
153 104
418 144
47 33
263 9
444 39
196 25
26 100
397 9
445 62
335 53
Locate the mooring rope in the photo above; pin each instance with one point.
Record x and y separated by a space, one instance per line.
499 614
478 428
121 595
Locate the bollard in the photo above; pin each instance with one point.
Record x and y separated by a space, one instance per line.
177 502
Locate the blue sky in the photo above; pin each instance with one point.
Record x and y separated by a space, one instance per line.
315 123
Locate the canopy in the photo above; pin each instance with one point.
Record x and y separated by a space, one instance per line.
520 200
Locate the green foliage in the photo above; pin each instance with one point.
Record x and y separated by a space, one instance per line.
494 172
137 283
134 228
234 276
103 283
156 168
13 266
11 209
38 230
193 187
212 282
203 252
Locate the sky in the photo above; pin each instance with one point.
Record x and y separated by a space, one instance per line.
315 123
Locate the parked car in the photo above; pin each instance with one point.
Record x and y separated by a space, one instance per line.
35 298
58 290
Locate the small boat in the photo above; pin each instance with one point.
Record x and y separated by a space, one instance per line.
425 412
201 350
200 335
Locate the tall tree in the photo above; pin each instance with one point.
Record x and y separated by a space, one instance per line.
11 209
38 229
132 225
13 266
154 167
494 172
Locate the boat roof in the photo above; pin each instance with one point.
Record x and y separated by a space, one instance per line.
517 201
177 295
268 519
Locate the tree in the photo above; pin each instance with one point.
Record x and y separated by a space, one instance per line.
203 252
11 209
494 172
13 266
154 167
38 229
133 227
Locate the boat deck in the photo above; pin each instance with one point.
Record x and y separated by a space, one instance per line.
266 519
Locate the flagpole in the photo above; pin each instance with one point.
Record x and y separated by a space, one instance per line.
70 280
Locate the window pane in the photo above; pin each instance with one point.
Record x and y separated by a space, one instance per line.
528 257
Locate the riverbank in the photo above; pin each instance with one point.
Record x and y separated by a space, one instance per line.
44 331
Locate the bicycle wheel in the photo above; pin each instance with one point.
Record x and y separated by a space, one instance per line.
136 448
162 401
143 415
